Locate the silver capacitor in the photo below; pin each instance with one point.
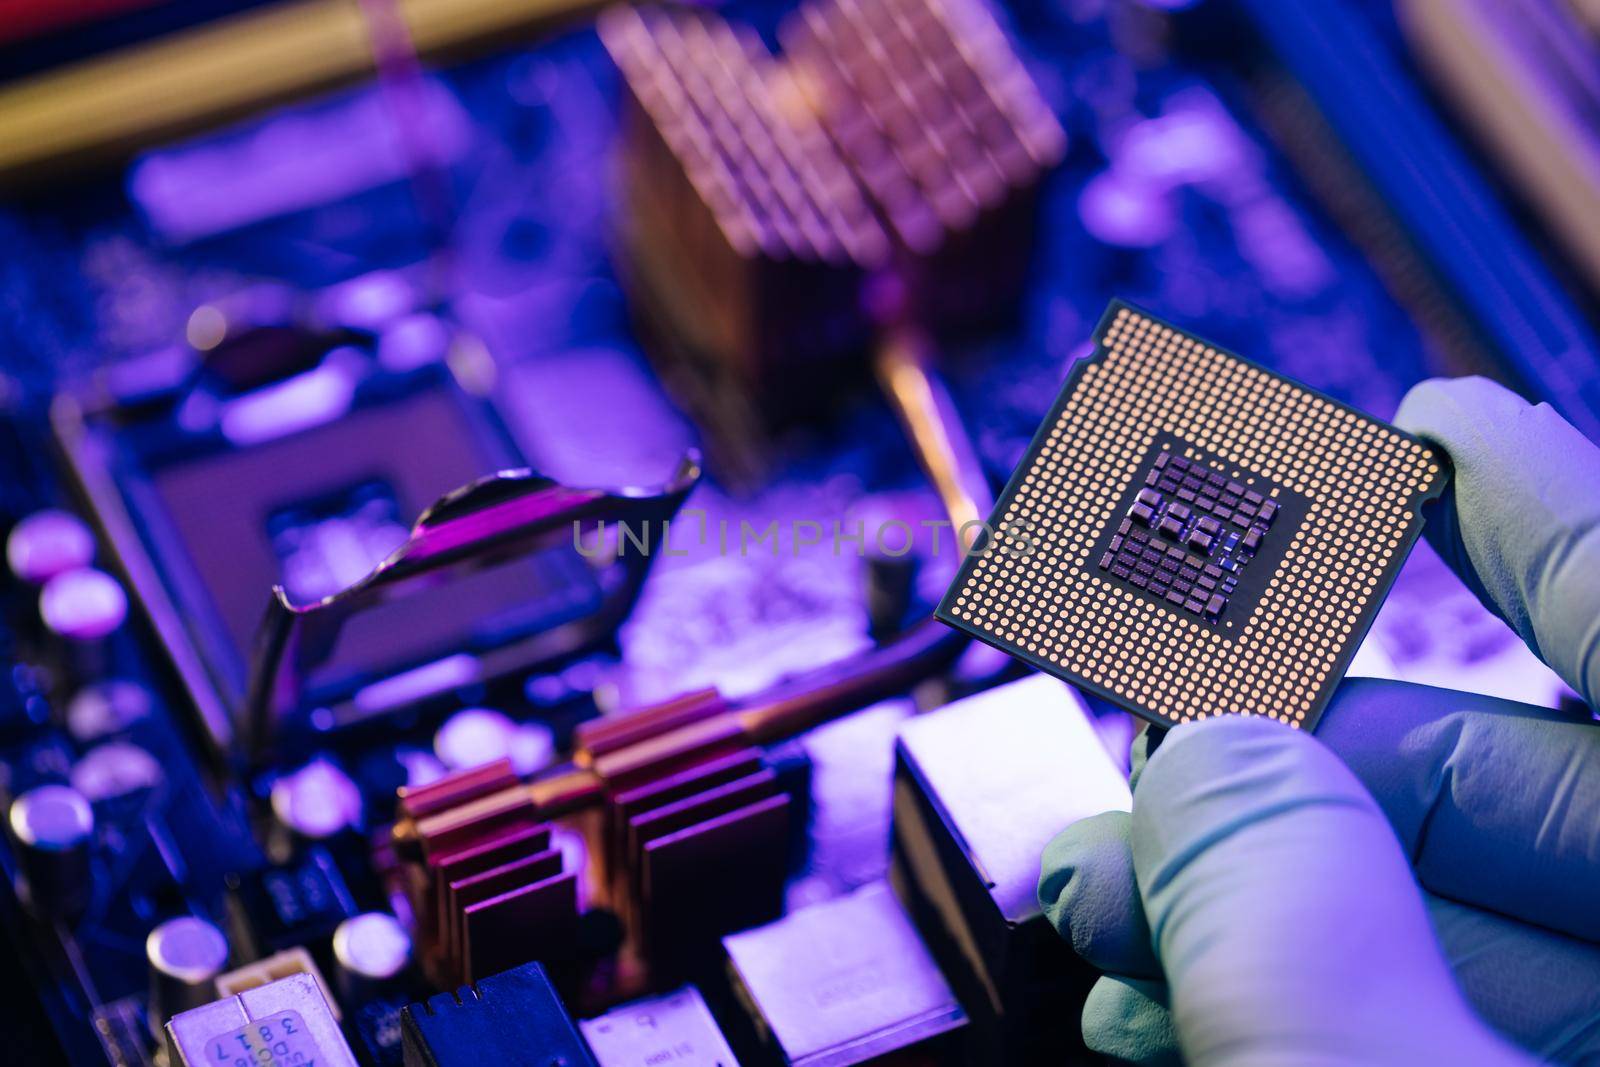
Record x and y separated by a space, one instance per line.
54 829
475 736
186 955
373 951
105 708
114 770
315 803
82 609
48 543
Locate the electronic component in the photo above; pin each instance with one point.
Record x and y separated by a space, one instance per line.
115 770
237 523
24 706
489 888
1191 533
1409 192
323 491
718 160
683 792
682 804
81 609
748 239
48 543
675 1028
186 955
281 1023
1331 499
284 905
890 592
943 126
276 968
505 1018
82 605
53 826
843 982
980 787
101 709
475 736
314 803
372 951
375 1029
1522 76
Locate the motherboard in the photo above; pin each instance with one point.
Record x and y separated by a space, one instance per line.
473 534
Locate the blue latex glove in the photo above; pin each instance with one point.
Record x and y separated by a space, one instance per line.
1261 904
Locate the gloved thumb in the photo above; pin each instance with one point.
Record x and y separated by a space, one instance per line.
1285 916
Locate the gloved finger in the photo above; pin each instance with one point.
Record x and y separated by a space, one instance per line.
1497 804
1147 738
1087 891
1127 1019
1284 912
1538 988
1521 521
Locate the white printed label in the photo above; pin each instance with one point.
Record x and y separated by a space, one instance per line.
280 1040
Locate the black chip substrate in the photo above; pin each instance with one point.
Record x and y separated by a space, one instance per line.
1192 535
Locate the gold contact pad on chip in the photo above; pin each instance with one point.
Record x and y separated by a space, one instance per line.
1364 481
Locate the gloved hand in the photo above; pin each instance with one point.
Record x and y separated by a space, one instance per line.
1261 904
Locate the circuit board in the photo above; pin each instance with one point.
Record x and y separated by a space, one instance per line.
476 340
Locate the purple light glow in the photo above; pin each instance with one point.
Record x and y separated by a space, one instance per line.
83 604
298 403
475 736
319 800
1126 213
418 683
115 769
48 543
290 163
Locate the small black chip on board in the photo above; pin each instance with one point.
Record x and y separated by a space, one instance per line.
1198 536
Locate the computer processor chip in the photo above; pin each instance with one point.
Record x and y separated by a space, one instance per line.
1192 535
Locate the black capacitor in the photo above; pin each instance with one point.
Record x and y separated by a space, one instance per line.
891 588
54 829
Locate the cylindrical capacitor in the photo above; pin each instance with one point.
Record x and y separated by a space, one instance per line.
891 587
115 770
186 955
372 951
475 736
82 609
54 829
472 737
48 543
315 803
105 708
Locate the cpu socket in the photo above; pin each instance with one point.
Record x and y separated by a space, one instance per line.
318 549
